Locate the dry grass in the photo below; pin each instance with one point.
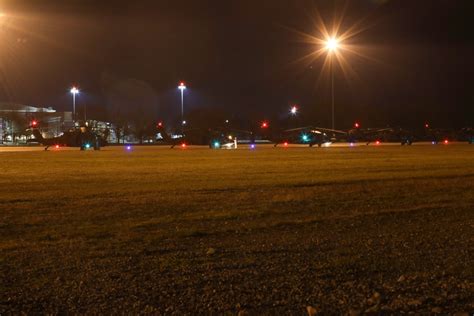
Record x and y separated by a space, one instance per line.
116 231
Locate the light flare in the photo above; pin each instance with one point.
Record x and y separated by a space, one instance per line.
333 41
332 44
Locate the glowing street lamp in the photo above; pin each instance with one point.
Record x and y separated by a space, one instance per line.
332 45
74 91
294 110
182 87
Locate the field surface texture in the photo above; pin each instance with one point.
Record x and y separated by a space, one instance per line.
368 229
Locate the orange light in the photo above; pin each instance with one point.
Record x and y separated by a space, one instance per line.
332 44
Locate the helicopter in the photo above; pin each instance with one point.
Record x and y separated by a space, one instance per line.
309 135
82 137
215 138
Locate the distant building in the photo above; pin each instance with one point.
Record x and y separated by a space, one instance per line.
16 118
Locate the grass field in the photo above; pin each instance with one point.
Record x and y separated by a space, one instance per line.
270 231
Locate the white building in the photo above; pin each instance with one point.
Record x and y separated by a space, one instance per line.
16 118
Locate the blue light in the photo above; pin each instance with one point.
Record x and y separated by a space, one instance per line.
217 144
129 147
305 137
88 146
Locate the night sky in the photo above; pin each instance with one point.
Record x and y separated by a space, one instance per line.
240 55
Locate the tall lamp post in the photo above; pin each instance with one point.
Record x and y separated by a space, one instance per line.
332 45
182 87
74 91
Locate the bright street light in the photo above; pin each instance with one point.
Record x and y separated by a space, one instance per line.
74 91
294 110
332 44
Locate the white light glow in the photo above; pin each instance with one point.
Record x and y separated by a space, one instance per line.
332 44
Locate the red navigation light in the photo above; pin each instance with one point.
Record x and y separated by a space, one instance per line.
264 124
427 125
356 125
285 144
446 141
183 145
160 124
57 146
34 123
377 142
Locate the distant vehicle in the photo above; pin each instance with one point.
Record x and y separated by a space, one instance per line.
377 135
438 135
81 137
215 138
466 134
309 135
407 137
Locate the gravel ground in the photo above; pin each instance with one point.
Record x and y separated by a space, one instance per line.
299 244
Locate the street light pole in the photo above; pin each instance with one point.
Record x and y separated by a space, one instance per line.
182 87
332 45
332 91
73 106
74 91
182 105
